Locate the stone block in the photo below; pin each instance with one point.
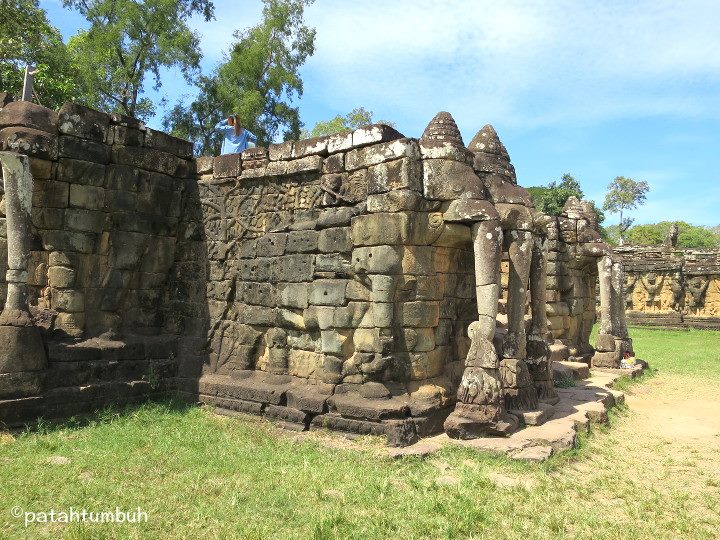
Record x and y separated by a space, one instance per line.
352 405
80 121
334 240
120 201
406 228
305 165
168 143
31 142
272 244
293 295
445 150
418 260
302 242
281 151
42 169
425 365
276 168
402 173
48 218
395 201
418 314
71 324
227 165
310 147
67 300
149 159
293 268
89 197
373 155
77 219
447 180
328 292
81 172
125 136
373 134
58 240
21 349
310 398
335 263
258 269
122 177
50 193
83 149
29 114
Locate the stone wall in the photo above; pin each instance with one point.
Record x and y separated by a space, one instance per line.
669 287
326 266
106 200
106 204
350 282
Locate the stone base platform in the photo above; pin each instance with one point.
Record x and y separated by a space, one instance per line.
299 404
578 407
85 376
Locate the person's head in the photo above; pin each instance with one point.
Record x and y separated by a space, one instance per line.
234 120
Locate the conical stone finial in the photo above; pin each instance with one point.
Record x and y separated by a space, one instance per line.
442 129
487 140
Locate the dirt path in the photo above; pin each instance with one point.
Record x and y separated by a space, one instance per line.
666 445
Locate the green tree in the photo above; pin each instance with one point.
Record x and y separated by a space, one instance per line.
28 38
550 199
354 119
128 42
196 122
258 81
689 236
623 195
262 75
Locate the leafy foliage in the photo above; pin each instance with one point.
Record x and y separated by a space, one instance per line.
689 236
129 41
258 81
623 195
27 37
196 122
550 199
354 119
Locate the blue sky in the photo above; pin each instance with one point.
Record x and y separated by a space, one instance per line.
596 89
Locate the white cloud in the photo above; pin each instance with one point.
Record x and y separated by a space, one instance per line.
524 64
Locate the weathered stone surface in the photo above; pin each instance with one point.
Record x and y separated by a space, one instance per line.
80 121
29 141
379 153
168 143
29 114
21 349
447 180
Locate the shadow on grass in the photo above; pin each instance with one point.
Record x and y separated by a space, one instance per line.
107 415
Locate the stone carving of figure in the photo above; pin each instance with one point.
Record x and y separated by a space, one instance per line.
677 291
672 236
697 286
630 281
653 285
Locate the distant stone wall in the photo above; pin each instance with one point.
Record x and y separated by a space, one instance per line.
670 287
106 204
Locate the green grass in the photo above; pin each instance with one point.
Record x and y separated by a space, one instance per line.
677 352
199 475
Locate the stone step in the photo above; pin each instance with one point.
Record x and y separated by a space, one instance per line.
580 370
537 417
558 352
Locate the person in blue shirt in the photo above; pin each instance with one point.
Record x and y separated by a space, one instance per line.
236 138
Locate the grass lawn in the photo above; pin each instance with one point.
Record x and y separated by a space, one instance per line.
200 475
